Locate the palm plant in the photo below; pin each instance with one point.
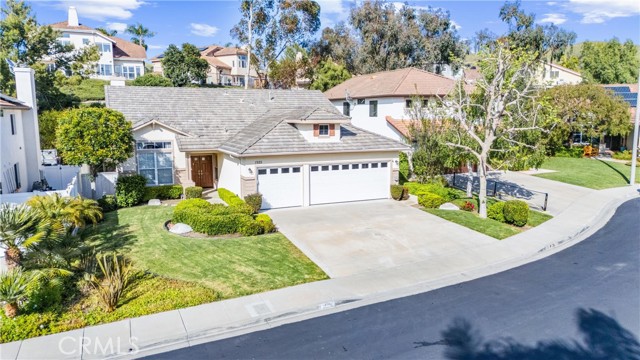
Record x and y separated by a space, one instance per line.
13 289
117 276
65 212
20 227
139 33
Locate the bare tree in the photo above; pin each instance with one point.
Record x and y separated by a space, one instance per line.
499 122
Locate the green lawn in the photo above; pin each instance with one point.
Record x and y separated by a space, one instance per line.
489 227
233 266
591 173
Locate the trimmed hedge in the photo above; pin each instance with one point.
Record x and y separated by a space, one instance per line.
267 224
130 190
162 192
516 212
431 201
108 203
496 211
230 198
397 191
193 192
255 201
437 188
217 219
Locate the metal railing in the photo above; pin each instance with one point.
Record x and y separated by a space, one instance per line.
502 190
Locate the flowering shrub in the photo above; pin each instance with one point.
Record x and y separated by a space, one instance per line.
468 206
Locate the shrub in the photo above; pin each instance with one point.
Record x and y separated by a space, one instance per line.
516 212
405 192
13 289
117 274
255 201
570 152
622 155
243 208
496 211
163 192
251 227
468 206
230 198
193 192
26 326
108 203
397 191
213 219
44 294
267 224
430 201
130 190
405 172
437 188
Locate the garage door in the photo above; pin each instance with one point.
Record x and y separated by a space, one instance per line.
349 182
280 186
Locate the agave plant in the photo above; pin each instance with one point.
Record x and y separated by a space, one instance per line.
13 289
117 276
20 227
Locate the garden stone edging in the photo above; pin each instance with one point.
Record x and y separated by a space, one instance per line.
449 206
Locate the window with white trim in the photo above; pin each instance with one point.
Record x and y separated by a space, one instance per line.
12 120
155 161
104 47
323 130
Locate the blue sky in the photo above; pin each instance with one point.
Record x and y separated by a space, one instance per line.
209 22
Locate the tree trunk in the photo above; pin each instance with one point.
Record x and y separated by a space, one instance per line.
469 180
11 310
13 258
482 194
246 76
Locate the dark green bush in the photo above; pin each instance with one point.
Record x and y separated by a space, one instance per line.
267 224
163 192
230 198
193 192
215 219
108 203
397 192
405 172
496 211
516 212
44 294
130 190
255 201
570 152
431 201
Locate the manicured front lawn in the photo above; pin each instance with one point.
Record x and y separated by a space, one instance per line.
233 267
591 173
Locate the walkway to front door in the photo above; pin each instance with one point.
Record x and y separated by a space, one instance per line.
202 170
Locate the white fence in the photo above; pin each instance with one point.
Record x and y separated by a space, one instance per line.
106 184
59 176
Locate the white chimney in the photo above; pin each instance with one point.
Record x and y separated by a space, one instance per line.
26 86
72 19
26 92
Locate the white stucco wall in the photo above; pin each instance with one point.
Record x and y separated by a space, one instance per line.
12 150
564 77
230 169
391 106
306 130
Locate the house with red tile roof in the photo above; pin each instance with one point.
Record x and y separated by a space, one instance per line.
381 102
227 65
119 58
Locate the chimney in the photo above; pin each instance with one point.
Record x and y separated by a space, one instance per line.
72 19
26 92
26 86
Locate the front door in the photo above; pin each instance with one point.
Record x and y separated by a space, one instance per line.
202 170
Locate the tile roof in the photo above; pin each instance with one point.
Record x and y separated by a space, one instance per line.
401 125
127 49
401 82
225 51
8 102
65 25
565 69
216 62
235 120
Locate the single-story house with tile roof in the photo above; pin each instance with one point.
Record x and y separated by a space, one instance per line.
292 146
380 102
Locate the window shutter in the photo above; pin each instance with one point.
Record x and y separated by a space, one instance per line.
316 130
332 129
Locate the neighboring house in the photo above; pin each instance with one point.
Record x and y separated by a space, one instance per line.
381 102
227 65
292 146
554 75
629 93
119 58
19 136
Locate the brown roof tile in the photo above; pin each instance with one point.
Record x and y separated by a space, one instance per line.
401 82
7 102
402 126
126 49
230 51
65 25
216 62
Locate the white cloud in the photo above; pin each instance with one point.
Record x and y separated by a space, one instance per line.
455 25
102 9
157 47
554 18
203 29
551 3
117 26
600 11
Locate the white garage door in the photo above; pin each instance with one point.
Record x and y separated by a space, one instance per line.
349 182
280 186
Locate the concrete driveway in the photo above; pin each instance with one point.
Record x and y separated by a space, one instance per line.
351 238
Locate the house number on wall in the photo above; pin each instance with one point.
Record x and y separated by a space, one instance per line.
258 161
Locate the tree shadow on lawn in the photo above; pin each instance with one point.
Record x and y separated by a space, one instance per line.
602 338
625 177
110 235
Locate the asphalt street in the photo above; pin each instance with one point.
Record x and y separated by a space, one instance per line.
580 303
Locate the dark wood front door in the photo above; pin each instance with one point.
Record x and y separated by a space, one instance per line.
202 170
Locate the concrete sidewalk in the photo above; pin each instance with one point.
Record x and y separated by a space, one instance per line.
161 332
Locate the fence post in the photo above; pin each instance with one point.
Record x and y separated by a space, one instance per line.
454 180
546 198
495 188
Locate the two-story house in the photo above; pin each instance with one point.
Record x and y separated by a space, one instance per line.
381 102
119 58
227 65
20 156
552 74
292 146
